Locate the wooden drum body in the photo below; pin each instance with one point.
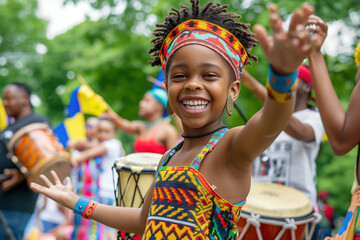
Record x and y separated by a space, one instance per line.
35 150
274 211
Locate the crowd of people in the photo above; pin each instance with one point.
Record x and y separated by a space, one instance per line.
205 175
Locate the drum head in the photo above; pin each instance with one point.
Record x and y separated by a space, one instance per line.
278 201
139 161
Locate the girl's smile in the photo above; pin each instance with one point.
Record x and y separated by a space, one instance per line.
199 81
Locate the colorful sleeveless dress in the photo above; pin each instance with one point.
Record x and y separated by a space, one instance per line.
184 205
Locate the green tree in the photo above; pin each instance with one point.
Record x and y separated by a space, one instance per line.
22 38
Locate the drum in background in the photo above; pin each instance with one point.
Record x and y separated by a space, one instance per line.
273 211
136 174
35 150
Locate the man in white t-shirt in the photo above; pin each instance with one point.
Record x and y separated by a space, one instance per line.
290 159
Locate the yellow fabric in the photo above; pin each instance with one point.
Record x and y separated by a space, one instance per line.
75 127
90 102
3 117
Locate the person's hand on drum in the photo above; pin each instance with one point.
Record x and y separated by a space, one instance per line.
63 194
15 179
286 50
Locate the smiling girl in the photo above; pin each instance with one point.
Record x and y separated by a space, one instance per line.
202 183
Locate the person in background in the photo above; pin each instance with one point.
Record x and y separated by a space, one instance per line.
91 131
327 212
155 134
291 159
17 201
104 153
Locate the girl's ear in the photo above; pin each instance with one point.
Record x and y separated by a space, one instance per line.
234 89
169 110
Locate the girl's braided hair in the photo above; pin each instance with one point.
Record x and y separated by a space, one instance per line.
214 13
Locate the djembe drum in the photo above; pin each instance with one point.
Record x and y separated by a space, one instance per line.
136 175
35 150
273 211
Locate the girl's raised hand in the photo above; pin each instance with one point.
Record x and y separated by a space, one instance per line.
63 194
286 50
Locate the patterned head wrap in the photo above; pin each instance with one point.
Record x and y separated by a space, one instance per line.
160 96
207 34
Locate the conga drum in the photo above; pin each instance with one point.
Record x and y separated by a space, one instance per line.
136 174
35 150
273 211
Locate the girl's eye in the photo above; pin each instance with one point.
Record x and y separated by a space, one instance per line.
178 76
211 76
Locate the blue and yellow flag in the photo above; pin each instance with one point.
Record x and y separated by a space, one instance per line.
72 128
3 117
84 99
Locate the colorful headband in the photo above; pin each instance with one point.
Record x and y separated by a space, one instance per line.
210 35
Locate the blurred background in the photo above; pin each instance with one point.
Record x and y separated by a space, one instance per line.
48 43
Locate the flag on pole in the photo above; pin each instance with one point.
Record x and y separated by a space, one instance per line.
3 117
84 99
72 128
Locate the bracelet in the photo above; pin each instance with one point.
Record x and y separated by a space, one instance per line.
89 209
357 55
81 206
281 88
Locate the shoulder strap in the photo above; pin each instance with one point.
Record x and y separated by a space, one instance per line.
208 148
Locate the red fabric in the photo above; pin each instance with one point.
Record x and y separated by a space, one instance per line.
304 74
149 145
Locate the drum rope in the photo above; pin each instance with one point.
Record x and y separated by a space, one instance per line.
289 225
114 186
317 219
252 220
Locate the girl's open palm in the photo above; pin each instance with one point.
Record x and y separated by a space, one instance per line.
63 194
286 50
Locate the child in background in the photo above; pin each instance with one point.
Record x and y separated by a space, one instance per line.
106 151
203 182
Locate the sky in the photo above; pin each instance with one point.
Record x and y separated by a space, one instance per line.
62 18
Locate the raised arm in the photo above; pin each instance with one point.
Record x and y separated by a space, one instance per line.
295 128
342 127
285 52
130 127
93 152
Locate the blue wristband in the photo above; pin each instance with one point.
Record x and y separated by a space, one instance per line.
282 84
81 205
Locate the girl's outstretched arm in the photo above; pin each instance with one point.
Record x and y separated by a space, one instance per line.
285 52
342 127
127 219
295 128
